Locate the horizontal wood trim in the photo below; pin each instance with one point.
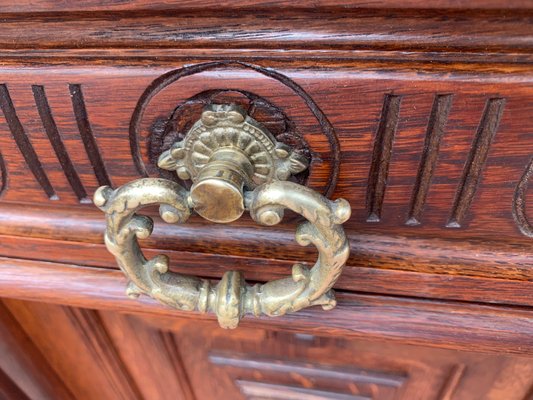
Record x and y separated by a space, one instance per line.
434 323
354 278
463 61
477 258
423 30
256 5
351 99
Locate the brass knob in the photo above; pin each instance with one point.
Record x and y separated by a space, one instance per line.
235 165
218 193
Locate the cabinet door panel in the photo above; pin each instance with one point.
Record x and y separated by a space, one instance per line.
257 364
115 355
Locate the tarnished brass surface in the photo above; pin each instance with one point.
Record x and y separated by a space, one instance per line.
226 153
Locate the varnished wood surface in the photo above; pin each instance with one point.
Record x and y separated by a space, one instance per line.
351 100
250 361
258 5
416 112
369 370
443 176
442 199
430 30
23 367
432 323
477 257
358 276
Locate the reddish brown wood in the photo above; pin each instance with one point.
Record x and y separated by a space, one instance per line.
22 363
355 277
335 93
475 257
261 5
169 380
98 342
257 360
84 359
433 323
283 364
416 112
9 390
429 30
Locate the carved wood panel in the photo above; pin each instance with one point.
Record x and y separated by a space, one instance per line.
433 164
257 364
72 353
414 153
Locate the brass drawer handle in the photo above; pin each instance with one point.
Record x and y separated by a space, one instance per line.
224 153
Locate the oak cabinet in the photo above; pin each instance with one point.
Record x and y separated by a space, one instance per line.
417 114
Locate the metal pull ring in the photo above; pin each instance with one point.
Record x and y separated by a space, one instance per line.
235 165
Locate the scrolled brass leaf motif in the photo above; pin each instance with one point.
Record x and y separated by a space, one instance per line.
230 298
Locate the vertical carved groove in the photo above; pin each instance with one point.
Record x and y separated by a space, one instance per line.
379 168
436 124
87 136
171 349
54 136
3 175
519 202
99 343
451 383
24 144
475 162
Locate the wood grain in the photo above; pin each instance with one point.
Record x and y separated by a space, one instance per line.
335 93
466 189
428 159
355 277
22 363
169 380
54 136
100 345
416 112
9 390
254 390
23 143
262 356
261 5
276 362
432 323
381 156
258 5
430 30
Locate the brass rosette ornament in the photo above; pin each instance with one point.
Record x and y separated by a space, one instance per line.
235 164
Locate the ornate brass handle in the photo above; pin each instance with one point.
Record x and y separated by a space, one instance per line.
224 153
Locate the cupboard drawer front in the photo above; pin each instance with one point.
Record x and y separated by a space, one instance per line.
415 152
418 118
434 164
